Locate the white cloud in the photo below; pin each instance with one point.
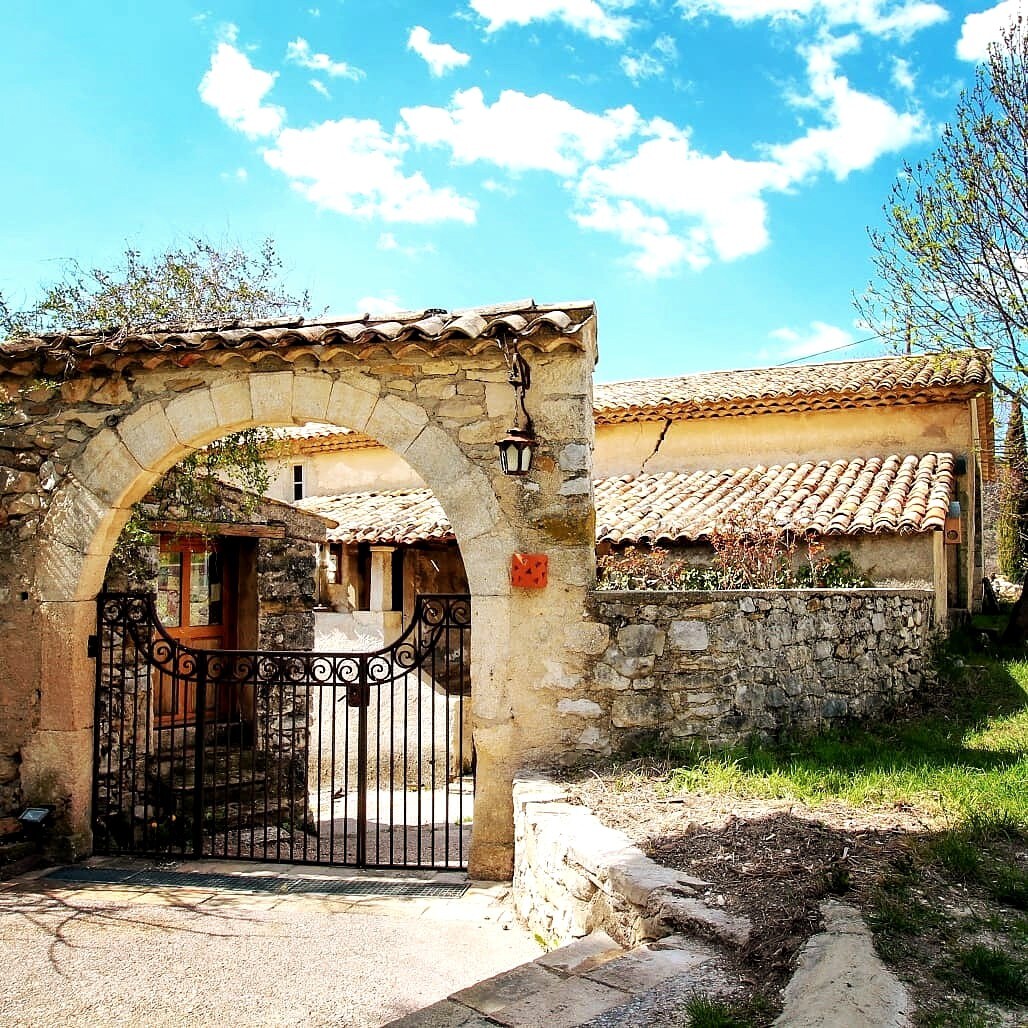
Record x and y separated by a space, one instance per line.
389 243
355 167
319 87
651 63
239 175
819 338
236 90
860 127
299 52
377 305
979 30
658 250
879 17
903 76
440 57
503 188
718 198
521 132
592 17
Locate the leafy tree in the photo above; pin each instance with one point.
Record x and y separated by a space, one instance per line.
952 260
196 284
1012 520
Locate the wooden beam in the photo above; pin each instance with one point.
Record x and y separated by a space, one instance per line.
217 528
940 566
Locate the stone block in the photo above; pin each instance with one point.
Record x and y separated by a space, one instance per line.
640 641
497 993
579 708
396 423
311 394
637 710
591 637
350 404
231 400
689 636
646 968
193 418
564 1004
150 438
108 469
271 394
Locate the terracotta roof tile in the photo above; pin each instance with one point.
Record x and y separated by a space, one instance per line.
876 495
797 387
544 327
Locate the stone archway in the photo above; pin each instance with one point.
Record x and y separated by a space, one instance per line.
433 390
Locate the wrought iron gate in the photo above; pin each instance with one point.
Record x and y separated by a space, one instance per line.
360 759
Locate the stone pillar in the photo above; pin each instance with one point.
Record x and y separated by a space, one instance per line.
381 578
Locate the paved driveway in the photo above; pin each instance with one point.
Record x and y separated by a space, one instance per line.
113 955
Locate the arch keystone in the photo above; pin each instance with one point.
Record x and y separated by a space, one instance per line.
271 393
311 393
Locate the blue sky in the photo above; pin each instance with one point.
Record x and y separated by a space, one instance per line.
704 169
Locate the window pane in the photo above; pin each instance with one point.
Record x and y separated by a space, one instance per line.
169 590
204 590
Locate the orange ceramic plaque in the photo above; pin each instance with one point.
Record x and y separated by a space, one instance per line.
529 570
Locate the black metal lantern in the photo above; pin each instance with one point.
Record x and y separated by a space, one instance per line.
517 445
516 451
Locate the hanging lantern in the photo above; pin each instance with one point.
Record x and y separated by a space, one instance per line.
517 446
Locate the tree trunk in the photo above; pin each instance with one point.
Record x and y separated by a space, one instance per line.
1016 632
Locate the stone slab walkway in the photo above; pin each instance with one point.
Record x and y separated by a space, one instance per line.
116 955
592 981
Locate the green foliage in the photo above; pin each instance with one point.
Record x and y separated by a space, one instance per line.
196 284
949 263
835 571
1012 519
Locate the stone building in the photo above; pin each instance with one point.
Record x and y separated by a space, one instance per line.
871 456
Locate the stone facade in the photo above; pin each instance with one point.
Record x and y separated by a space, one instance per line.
720 667
88 440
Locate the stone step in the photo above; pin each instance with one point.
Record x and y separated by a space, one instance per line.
573 985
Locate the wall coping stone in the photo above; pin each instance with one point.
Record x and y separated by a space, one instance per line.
731 594
574 875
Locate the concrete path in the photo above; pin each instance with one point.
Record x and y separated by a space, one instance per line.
112 955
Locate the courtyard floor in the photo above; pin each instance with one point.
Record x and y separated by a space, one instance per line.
88 954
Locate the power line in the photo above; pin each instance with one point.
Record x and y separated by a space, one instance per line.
834 349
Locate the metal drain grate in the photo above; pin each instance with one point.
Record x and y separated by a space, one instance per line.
264 883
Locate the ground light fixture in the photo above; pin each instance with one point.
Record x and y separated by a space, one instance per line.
34 818
517 446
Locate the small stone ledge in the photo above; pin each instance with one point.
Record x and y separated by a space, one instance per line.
573 875
840 979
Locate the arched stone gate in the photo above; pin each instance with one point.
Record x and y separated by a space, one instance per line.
97 420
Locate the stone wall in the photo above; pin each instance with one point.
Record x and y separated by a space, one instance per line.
574 875
89 437
720 667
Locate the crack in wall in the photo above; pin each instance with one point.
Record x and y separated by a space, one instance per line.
657 445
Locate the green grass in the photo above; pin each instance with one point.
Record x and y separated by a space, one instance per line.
705 1012
1002 978
970 758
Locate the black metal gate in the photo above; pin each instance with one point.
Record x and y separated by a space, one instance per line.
359 759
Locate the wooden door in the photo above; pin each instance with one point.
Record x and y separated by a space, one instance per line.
196 605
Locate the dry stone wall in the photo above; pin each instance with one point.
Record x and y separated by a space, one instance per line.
719 667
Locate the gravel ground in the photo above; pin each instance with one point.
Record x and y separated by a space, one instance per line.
113 956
